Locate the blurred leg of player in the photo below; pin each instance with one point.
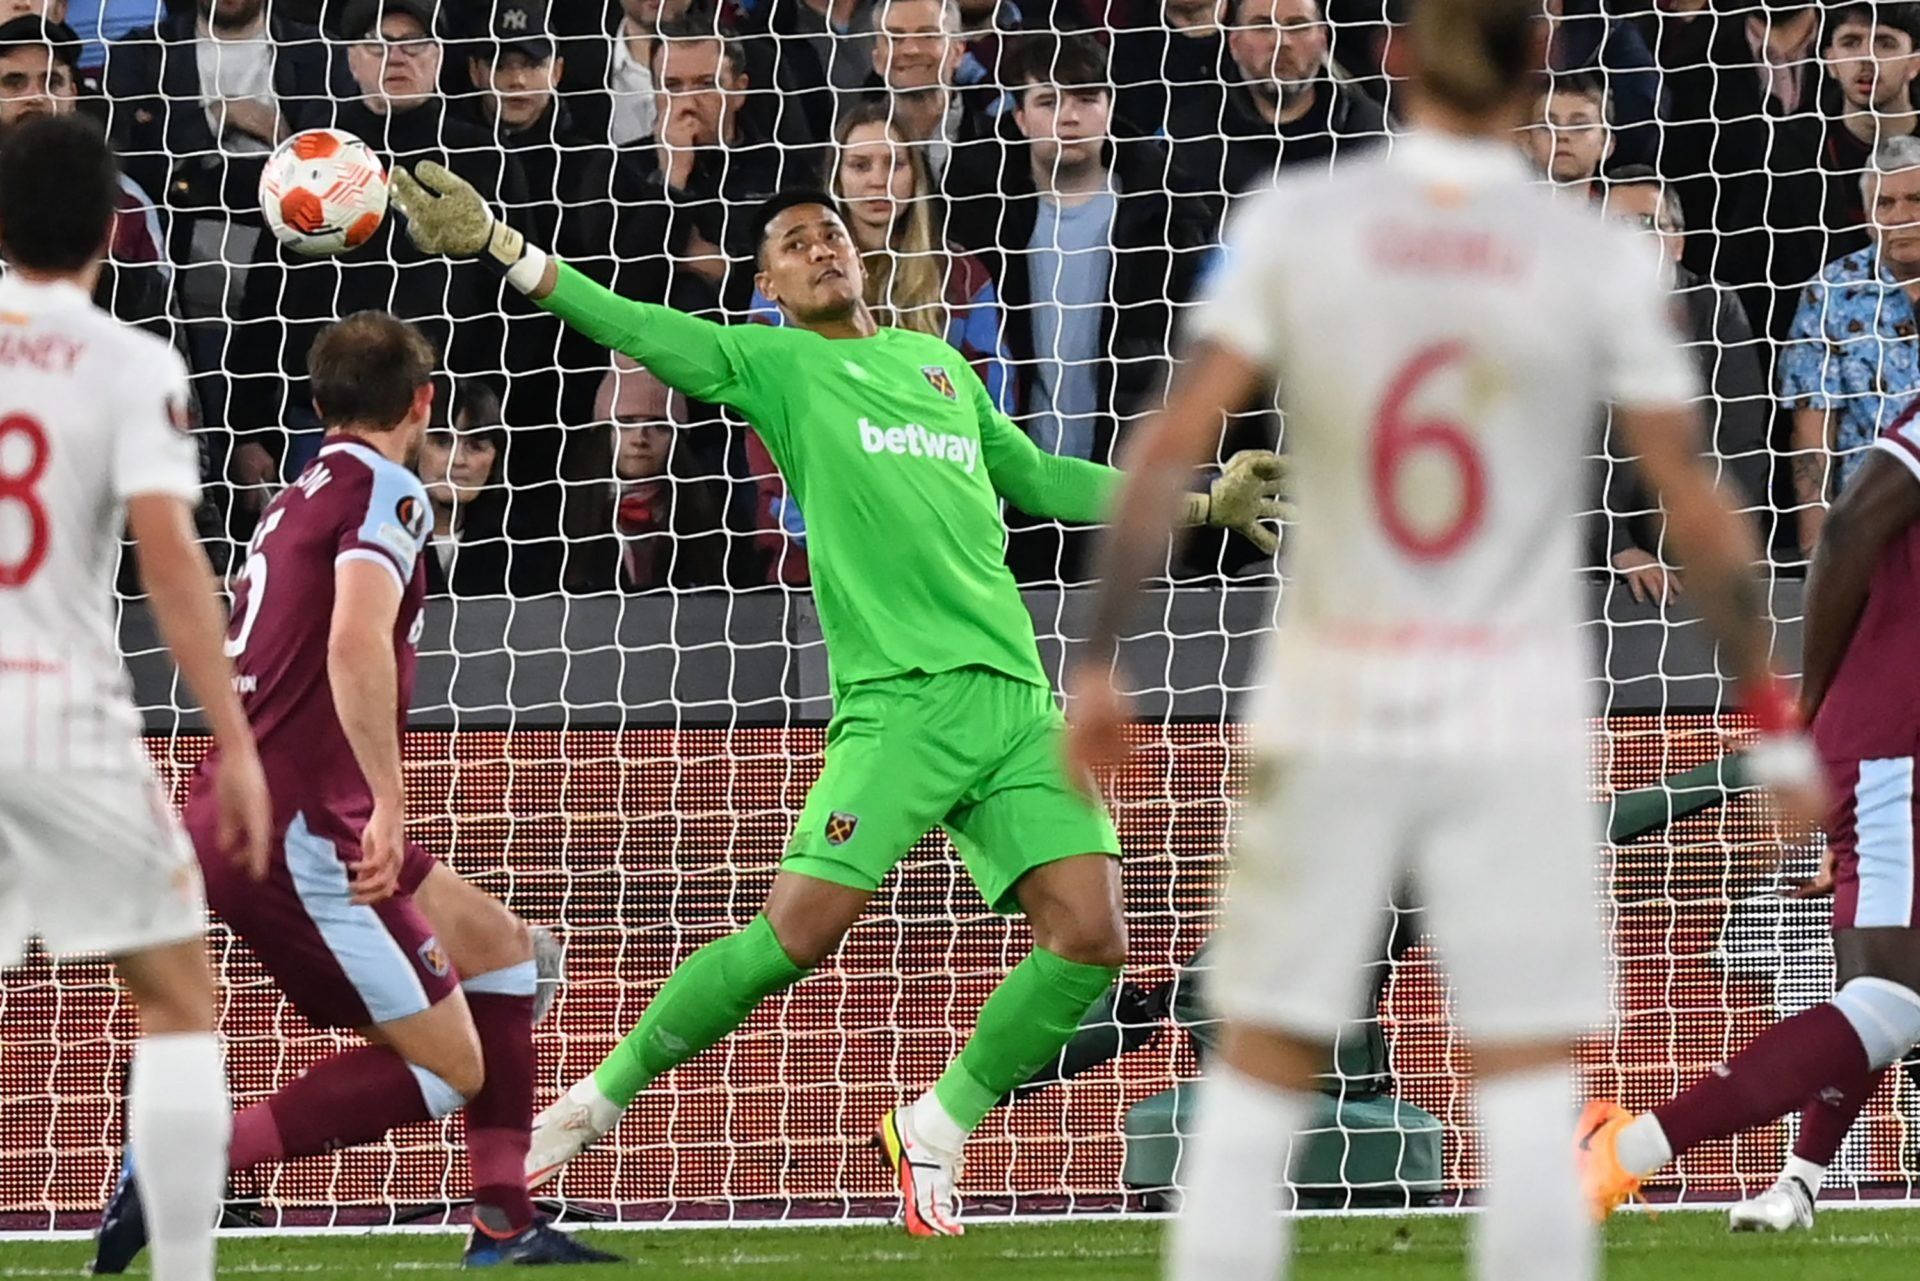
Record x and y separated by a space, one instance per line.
178 1109
97 864
1515 924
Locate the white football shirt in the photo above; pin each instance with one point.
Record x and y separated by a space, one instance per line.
1443 334
92 413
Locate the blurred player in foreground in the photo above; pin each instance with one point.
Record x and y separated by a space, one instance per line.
95 436
942 711
1441 333
1862 690
360 927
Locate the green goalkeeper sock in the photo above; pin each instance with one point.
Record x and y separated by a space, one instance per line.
1021 1028
708 996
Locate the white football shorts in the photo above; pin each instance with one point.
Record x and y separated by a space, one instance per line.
93 862
1499 853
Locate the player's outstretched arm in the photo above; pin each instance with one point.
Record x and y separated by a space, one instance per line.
447 215
186 608
1244 496
1720 550
1217 380
1880 503
366 696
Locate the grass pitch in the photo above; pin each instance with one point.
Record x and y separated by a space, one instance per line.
1846 1245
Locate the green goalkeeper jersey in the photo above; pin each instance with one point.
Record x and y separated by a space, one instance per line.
898 459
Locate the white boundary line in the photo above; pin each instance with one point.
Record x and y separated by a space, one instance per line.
38 1236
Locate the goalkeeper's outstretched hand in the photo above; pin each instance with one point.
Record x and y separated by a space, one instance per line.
1244 497
447 215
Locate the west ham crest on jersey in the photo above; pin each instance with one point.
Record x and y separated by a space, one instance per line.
942 381
840 827
435 958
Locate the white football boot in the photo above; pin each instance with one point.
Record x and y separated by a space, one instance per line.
928 1192
1787 1206
573 1123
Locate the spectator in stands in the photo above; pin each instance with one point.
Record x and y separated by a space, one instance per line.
1285 110
587 199
934 90
1744 112
1094 254
194 104
645 510
612 94
1586 39
39 76
1869 52
1177 60
463 465
1852 364
709 155
1723 347
1571 135
395 56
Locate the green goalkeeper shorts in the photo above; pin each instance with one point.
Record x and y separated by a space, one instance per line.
975 752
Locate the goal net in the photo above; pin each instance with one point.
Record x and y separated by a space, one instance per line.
623 691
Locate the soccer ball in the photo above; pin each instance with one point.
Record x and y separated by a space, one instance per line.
323 192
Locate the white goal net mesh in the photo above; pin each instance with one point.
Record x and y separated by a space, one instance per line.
623 692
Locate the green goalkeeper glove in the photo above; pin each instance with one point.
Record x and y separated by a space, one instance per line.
1244 496
446 215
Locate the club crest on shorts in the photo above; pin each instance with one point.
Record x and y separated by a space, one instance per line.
435 958
840 827
941 380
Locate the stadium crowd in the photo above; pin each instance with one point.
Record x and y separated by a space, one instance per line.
1041 182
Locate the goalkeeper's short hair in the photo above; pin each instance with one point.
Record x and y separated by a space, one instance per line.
775 205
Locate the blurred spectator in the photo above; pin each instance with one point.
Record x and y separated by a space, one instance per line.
463 464
1570 136
194 105
1285 110
395 57
39 75
1094 254
1852 364
1723 347
710 154
934 90
643 511
811 45
611 94
1176 61
1585 38
1744 110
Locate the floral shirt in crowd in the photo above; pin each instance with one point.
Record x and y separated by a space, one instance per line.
1854 350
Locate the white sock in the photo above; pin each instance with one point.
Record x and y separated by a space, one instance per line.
1806 1171
1642 1146
1230 1171
178 1122
935 1128
1535 1223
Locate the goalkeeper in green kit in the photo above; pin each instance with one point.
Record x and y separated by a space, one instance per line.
942 712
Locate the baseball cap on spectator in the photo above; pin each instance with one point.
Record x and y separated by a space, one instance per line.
32 29
520 26
362 18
